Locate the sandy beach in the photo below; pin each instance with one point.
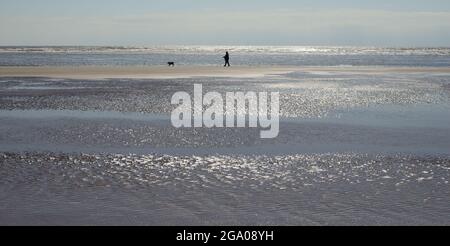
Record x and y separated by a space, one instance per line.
82 143
224 113
161 72
141 72
94 145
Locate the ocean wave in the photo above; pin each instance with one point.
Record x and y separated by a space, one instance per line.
307 50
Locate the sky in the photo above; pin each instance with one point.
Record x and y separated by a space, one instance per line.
394 23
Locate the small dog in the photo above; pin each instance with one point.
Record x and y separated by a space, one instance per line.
171 64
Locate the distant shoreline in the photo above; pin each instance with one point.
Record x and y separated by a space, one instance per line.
161 72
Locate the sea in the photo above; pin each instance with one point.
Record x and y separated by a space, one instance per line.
212 55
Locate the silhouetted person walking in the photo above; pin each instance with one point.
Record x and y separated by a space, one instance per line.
227 59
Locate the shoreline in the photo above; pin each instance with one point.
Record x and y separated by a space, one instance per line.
163 72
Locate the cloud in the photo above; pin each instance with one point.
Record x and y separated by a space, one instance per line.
340 27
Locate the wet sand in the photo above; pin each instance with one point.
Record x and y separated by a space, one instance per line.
313 189
357 146
160 72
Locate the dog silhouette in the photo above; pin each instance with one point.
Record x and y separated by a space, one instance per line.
171 64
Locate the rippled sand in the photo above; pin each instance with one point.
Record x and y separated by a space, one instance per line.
303 94
316 189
